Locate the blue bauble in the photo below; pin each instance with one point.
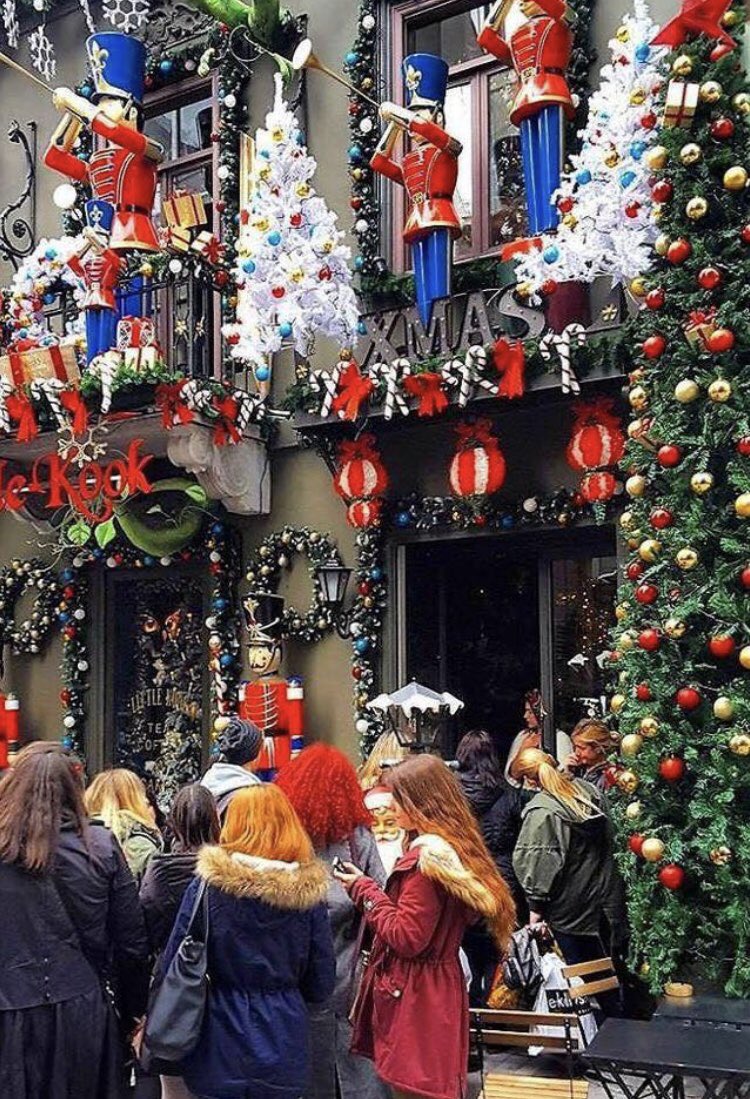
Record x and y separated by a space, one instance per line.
637 149
376 574
67 742
51 253
299 137
361 645
359 262
507 522
63 617
642 52
262 373
226 660
583 177
551 254
248 266
86 90
166 65
351 58
149 561
98 552
274 237
266 154
23 333
48 299
217 528
285 330
362 328
403 519
627 178
67 575
354 152
219 604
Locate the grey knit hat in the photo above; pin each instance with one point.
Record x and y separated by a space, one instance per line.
239 741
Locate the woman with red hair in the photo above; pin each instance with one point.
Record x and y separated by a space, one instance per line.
323 787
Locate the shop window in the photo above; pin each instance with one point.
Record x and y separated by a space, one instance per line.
490 195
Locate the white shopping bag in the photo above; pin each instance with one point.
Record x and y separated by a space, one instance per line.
553 998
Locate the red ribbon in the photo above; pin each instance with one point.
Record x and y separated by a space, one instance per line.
599 412
354 389
475 434
170 403
226 429
21 412
509 359
696 17
73 402
211 250
365 448
428 387
701 316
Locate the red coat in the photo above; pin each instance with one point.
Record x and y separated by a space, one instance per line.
412 1016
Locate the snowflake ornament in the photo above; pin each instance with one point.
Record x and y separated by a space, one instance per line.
42 53
10 22
126 15
80 451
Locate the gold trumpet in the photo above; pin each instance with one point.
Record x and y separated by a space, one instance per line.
305 58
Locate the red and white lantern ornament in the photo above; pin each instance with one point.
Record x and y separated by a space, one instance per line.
478 466
597 442
361 480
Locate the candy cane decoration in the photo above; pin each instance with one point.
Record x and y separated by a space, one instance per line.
50 388
327 382
476 362
6 388
562 344
392 374
457 372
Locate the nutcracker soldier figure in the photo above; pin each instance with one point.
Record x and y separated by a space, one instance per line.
539 50
99 266
428 172
270 702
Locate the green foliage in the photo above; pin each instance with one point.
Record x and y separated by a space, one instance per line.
700 930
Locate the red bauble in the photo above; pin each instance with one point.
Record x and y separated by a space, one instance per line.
634 570
662 191
478 466
355 202
722 129
745 577
745 234
635 843
655 298
278 291
632 208
643 692
68 592
661 518
709 278
672 876
654 346
548 287
295 220
221 278
324 274
364 513
65 697
649 120
688 698
679 251
480 520
364 587
598 487
649 640
743 446
356 672
69 633
233 338
672 769
669 456
721 340
647 593
565 205
722 646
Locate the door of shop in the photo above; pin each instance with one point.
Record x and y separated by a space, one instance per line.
490 617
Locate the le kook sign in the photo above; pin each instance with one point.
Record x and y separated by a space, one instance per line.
92 489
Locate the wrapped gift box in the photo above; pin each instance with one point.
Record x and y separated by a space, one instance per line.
140 358
185 211
135 332
177 239
680 105
209 247
22 367
700 326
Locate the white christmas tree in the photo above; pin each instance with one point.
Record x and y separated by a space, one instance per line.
292 269
607 225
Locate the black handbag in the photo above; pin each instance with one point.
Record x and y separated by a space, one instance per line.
176 1012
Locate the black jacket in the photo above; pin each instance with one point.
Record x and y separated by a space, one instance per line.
166 879
498 809
66 932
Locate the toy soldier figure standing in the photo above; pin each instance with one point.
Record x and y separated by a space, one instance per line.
428 172
540 53
99 266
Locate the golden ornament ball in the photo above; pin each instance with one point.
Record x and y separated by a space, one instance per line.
524 289
720 390
739 745
612 158
627 641
616 703
682 65
696 208
701 483
570 221
686 391
638 287
675 628
649 550
710 91
741 103
723 708
220 724
645 969
633 810
687 558
745 656
621 612
147 270
634 540
626 520
656 157
638 398
742 506
735 178
622 34
649 726
635 485
627 781
661 244
636 375
653 849
637 97
691 153
631 744
657 212
730 19
721 856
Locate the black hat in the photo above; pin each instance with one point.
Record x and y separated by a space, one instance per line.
264 617
239 741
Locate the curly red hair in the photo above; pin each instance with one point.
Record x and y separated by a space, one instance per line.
322 786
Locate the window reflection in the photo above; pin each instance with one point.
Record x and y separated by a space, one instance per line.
454 38
458 116
507 204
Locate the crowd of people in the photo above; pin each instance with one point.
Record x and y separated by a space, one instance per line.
345 915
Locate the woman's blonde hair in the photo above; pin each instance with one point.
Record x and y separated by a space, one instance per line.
592 731
536 765
116 790
385 750
261 821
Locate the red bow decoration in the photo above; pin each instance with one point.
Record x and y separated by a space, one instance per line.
475 433
428 387
696 17
701 316
21 411
226 430
599 412
509 359
354 390
73 402
170 403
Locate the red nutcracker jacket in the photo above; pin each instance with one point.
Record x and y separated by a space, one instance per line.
276 707
119 173
101 272
540 53
429 174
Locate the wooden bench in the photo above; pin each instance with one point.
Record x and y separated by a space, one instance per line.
496 1029
601 972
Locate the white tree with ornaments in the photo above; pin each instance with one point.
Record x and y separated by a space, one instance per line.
292 269
607 225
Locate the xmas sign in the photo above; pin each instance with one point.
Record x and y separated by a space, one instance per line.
92 488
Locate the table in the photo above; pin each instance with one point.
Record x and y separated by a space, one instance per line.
652 1060
709 1010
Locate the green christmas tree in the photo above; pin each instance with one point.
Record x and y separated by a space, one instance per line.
682 645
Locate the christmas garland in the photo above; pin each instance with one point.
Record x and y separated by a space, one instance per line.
366 629
274 555
16 579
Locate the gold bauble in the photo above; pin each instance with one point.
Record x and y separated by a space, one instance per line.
739 745
649 727
638 398
656 157
745 656
691 153
675 628
661 244
623 678
634 540
645 969
621 612
721 856
696 208
147 270
525 289
735 178
682 65
626 520
220 724
636 485
687 558
570 221
616 703
302 190
730 19
631 744
720 390
742 506
633 810
723 708
626 641
612 158
686 391
627 781
653 849
637 97
622 34
649 550
711 91
701 483
741 103
638 287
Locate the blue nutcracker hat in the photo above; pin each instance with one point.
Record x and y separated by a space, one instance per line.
99 214
426 79
118 65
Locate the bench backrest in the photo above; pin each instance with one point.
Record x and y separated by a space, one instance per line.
597 976
515 1028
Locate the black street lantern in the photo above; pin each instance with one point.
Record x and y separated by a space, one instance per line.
417 714
333 579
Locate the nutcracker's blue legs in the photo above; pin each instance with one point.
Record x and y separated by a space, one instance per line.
101 331
432 269
134 297
542 152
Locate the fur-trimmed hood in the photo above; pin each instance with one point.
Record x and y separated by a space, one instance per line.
290 886
438 860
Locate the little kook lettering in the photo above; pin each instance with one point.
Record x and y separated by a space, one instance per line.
92 489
